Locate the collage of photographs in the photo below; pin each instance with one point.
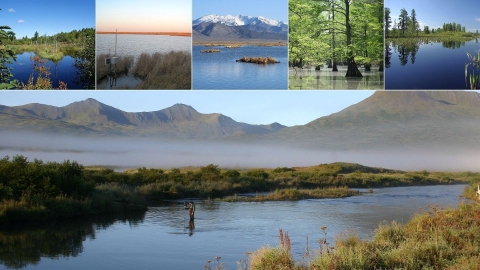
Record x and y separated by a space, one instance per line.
222 134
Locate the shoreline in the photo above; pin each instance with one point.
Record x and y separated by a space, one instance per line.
179 34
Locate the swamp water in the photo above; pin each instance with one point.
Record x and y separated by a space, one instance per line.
219 70
62 70
135 45
326 79
161 238
427 64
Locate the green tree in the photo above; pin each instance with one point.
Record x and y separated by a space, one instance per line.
388 21
414 22
85 64
7 56
403 20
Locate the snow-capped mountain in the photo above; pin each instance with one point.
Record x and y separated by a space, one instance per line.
238 20
215 27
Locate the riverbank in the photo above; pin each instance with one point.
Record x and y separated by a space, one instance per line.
179 34
437 239
38 191
236 44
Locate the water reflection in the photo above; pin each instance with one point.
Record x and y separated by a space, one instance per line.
22 246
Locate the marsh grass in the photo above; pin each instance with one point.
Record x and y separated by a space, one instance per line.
164 71
279 257
122 67
258 60
293 194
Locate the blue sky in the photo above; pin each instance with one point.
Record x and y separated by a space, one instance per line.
271 9
435 13
46 16
254 107
144 15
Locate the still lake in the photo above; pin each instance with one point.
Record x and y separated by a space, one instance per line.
161 238
62 70
220 71
428 65
135 45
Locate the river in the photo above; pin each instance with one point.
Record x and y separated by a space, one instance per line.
161 238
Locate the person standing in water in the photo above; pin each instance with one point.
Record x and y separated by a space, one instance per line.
191 210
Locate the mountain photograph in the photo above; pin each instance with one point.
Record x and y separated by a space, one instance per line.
390 129
240 45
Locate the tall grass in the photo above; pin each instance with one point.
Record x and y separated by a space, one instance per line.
122 67
164 71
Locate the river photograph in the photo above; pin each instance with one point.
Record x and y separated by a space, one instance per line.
178 180
150 50
163 236
433 51
39 53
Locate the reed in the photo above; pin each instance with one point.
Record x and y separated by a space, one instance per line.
122 67
210 51
258 60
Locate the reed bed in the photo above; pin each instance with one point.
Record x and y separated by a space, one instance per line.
164 71
122 67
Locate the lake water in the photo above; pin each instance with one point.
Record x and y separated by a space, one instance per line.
325 79
161 238
432 65
220 71
135 45
62 70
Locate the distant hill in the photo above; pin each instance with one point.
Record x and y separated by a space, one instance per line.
235 28
396 119
95 118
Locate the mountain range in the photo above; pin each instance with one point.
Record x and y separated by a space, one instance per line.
235 28
385 119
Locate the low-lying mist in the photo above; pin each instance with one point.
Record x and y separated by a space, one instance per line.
124 153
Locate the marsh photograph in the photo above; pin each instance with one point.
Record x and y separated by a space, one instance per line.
240 45
40 50
144 44
138 179
432 46
335 45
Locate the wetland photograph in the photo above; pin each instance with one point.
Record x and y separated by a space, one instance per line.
144 45
434 46
335 45
240 45
40 50
315 179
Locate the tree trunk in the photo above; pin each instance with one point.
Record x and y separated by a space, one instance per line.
334 57
352 69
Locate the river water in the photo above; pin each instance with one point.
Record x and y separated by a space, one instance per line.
162 237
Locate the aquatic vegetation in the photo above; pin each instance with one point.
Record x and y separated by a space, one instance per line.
122 67
42 81
210 51
258 60
472 79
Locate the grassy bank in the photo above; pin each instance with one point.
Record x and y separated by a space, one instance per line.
49 52
164 71
438 239
292 194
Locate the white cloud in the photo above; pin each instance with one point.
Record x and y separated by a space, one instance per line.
477 19
11 10
20 21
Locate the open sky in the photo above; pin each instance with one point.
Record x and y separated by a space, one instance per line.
435 13
254 107
46 16
271 9
144 15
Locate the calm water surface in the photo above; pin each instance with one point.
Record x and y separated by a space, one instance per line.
325 79
62 70
432 65
135 45
220 71
161 238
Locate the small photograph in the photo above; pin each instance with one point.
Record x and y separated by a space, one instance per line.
336 45
431 46
240 45
47 45
144 44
